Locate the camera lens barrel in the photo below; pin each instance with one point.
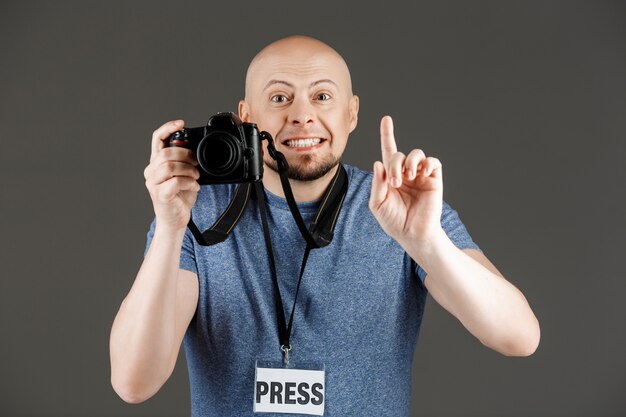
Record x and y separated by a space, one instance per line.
219 153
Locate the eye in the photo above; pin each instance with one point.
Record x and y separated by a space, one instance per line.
278 98
323 97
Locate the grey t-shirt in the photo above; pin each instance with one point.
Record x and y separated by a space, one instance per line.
358 311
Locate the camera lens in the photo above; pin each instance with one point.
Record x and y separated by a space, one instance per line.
219 153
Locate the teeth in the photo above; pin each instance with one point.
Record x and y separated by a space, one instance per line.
301 143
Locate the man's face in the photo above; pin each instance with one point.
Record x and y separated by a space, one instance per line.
303 98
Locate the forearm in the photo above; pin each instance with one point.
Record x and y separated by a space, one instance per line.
143 333
489 306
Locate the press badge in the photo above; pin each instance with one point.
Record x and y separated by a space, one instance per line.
293 388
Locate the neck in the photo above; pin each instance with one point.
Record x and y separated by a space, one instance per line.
303 191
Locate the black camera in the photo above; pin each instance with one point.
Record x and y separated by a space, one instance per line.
227 149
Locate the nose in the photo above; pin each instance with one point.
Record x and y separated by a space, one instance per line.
301 112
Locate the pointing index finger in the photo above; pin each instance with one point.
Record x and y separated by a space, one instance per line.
387 140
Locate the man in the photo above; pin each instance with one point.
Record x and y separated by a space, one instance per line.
362 297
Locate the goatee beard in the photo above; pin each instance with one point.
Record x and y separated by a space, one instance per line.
296 172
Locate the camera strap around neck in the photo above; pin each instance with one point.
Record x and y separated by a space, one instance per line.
317 235
222 227
325 217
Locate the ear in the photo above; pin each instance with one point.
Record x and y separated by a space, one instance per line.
244 112
354 112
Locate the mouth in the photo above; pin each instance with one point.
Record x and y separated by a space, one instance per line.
303 143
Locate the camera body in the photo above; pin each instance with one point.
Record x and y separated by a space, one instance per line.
227 149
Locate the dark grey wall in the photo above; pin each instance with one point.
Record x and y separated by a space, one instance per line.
524 103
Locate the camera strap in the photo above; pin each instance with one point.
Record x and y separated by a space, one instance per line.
320 231
222 227
317 235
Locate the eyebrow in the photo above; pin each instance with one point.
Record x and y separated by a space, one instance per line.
313 84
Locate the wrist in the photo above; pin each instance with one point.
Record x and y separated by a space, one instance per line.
425 247
166 232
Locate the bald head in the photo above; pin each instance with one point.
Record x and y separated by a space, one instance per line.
299 90
296 53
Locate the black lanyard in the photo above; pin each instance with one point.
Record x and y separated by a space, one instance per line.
317 235
327 212
284 330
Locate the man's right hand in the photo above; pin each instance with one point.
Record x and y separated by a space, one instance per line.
171 178
151 323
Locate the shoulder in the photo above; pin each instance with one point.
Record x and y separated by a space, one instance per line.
357 174
359 188
359 181
448 214
455 228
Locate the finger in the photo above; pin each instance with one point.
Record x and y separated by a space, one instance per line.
175 154
189 197
431 167
395 168
379 187
170 188
387 140
411 163
159 135
171 169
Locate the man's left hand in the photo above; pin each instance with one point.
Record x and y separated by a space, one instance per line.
407 191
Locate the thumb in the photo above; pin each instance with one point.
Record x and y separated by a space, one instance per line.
379 187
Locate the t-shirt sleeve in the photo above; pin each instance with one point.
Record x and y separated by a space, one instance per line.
187 253
456 231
